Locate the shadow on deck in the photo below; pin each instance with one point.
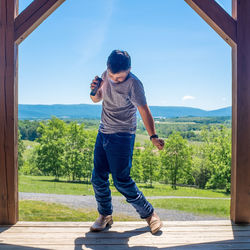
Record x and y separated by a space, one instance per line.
186 235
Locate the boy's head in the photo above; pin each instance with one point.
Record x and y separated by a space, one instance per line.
118 65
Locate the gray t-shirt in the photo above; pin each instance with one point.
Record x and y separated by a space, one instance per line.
119 105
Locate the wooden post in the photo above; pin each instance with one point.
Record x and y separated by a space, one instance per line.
236 32
14 29
8 113
240 188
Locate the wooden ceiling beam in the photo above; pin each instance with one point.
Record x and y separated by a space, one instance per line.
33 16
217 18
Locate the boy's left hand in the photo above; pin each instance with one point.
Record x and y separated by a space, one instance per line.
159 143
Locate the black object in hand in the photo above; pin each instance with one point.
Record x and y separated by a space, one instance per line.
93 92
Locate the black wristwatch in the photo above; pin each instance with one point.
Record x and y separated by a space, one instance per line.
153 136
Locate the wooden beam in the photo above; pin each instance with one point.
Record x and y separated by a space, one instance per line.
8 114
240 178
217 18
32 16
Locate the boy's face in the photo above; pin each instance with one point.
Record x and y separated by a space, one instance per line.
118 77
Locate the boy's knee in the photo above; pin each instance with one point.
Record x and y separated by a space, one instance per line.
98 179
120 183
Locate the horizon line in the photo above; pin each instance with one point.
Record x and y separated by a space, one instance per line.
101 105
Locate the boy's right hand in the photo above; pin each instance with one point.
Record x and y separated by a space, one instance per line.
94 83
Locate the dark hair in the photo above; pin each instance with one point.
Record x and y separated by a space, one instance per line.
118 61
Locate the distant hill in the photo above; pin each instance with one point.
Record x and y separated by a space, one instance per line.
93 111
173 111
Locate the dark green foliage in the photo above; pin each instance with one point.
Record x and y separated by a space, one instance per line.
28 129
21 149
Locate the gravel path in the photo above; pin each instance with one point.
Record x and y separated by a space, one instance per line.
119 207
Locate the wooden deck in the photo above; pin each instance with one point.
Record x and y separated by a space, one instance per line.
216 234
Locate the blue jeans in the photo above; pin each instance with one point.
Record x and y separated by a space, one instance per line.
113 154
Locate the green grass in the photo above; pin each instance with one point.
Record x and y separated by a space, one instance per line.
46 184
43 211
219 208
141 138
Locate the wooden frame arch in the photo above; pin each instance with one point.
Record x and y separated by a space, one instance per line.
14 28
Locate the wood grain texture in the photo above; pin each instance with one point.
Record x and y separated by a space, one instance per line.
33 16
179 235
217 18
235 30
13 29
240 202
8 113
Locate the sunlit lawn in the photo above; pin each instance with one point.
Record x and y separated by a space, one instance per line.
219 208
43 211
46 184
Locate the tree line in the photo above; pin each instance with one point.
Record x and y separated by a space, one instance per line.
66 149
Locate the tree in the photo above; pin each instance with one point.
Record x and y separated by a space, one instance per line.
176 158
30 167
89 154
150 163
50 152
136 169
200 168
74 150
217 145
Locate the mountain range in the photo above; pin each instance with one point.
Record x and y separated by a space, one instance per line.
93 111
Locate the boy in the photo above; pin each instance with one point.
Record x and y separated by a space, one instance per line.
122 93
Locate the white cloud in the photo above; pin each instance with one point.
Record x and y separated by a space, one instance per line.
188 97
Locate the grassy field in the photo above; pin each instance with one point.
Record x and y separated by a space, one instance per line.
47 211
219 208
46 184
43 211
141 138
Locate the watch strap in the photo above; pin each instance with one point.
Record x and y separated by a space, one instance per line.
154 136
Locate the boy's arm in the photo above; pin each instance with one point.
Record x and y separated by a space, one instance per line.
149 124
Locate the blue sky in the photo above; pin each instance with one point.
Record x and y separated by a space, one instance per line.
180 60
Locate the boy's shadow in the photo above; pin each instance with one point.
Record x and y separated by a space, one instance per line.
114 240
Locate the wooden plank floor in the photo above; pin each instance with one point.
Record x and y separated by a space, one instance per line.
186 235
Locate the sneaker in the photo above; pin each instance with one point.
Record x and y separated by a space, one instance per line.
154 222
101 223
